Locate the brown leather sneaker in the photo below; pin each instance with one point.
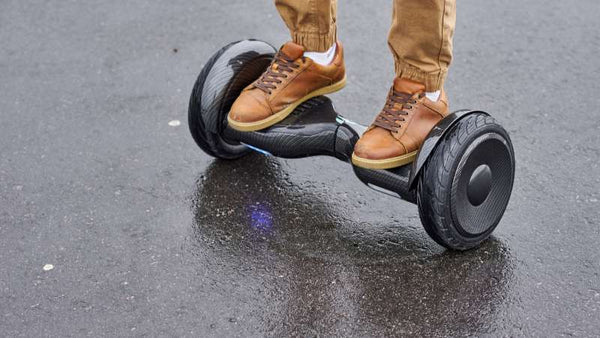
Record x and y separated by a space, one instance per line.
290 80
398 131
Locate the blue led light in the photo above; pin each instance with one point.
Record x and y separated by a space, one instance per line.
264 152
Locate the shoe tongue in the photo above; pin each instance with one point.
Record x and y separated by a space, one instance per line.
292 50
408 86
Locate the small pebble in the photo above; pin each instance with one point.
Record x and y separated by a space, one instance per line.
48 267
175 123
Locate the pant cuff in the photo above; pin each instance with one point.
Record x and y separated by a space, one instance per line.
315 42
432 81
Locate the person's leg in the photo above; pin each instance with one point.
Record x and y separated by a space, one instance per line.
310 65
312 23
421 41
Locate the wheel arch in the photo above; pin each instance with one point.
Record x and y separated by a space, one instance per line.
223 76
433 139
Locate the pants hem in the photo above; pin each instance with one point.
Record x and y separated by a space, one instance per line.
315 42
432 81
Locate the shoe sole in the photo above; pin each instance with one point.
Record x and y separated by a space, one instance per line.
386 163
279 116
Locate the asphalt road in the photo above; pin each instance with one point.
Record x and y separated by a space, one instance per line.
148 236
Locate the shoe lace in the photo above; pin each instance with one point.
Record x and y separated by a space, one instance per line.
279 68
396 107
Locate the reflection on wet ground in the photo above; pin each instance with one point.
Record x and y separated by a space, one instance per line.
332 272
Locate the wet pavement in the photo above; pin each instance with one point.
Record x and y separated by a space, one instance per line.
113 222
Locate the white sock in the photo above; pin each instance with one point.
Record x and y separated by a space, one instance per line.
324 58
433 96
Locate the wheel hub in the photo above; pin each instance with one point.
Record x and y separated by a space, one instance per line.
480 185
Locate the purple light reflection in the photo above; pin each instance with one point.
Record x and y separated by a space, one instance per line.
260 217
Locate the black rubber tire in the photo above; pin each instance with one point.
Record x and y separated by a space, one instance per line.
435 196
247 70
195 122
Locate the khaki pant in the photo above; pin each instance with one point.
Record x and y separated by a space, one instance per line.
420 37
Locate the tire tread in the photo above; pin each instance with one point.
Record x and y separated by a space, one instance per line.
435 183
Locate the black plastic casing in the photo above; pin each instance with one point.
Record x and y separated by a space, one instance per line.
315 128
